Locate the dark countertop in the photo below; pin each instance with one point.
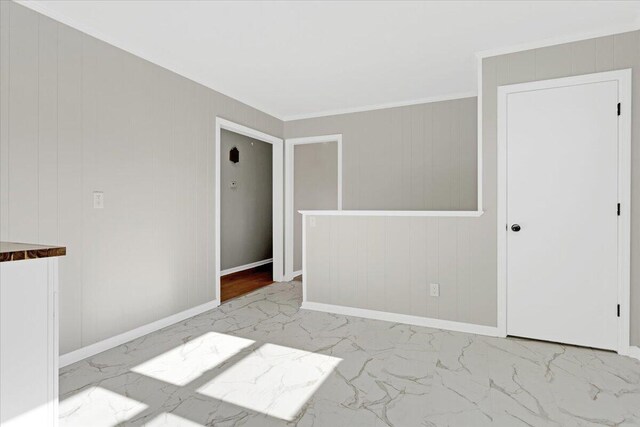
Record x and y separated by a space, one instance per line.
10 251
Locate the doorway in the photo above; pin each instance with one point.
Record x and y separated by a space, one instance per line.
563 210
277 219
313 182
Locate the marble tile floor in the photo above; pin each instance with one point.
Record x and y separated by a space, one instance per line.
261 361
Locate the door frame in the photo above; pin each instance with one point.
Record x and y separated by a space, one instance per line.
623 77
277 204
290 144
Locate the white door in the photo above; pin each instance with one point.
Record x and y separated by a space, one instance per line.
562 195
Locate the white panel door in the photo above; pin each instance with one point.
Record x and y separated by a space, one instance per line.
562 192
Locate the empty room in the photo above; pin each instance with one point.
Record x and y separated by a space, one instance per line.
319 213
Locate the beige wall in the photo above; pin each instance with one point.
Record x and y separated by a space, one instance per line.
460 253
78 115
420 157
246 220
315 186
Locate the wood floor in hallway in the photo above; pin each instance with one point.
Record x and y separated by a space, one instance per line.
240 283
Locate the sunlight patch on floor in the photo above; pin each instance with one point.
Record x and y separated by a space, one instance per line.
273 380
167 419
98 407
189 361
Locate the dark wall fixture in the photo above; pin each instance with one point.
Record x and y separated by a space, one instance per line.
234 155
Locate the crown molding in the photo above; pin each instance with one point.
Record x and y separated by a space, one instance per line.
553 41
373 107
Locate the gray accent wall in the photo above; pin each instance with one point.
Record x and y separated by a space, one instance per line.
419 157
78 115
246 219
315 186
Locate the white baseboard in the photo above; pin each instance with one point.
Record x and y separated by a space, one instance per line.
245 267
404 318
293 275
109 343
633 352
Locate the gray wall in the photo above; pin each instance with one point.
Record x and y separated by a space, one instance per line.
387 264
461 253
246 223
78 115
420 157
315 186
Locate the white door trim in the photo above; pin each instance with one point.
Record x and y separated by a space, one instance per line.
290 143
278 181
623 77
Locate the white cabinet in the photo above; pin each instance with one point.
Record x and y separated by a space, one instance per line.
29 342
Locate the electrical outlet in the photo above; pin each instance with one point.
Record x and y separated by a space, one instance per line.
434 289
98 200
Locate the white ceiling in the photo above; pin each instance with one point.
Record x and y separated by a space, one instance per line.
293 59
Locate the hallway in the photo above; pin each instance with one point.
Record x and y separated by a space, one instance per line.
236 284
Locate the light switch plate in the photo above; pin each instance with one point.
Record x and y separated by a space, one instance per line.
312 221
98 200
434 290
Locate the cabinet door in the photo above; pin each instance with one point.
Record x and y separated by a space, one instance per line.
28 371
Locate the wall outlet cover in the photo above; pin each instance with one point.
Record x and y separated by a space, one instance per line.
434 290
98 200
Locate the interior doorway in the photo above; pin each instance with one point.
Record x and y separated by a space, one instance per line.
241 173
564 198
313 182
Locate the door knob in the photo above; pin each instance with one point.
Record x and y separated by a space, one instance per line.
515 228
